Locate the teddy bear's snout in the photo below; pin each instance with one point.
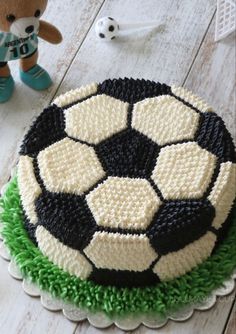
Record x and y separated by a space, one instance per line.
29 29
25 26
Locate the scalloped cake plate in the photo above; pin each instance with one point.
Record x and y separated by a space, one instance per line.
100 320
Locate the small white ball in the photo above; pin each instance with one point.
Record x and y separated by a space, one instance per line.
106 28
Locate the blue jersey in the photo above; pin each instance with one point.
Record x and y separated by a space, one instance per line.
13 47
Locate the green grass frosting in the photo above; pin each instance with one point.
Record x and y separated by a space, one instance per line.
165 297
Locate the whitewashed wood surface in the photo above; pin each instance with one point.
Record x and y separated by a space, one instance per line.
182 52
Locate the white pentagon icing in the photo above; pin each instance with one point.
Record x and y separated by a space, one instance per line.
120 251
75 95
165 120
96 119
191 98
64 257
184 171
70 167
123 203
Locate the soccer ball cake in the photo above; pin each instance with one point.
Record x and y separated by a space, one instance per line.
127 183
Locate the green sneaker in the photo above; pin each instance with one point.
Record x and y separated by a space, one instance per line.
36 78
6 88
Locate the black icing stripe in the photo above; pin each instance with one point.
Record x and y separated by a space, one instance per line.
123 278
45 131
179 223
214 137
67 217
132 90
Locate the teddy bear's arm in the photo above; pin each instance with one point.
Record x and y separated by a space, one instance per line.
49 33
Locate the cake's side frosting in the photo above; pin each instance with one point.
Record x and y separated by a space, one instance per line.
132 178
160 299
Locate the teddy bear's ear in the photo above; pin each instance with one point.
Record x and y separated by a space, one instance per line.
40 4
23 7
43 3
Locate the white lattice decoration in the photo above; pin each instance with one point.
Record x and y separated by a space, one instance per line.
225 18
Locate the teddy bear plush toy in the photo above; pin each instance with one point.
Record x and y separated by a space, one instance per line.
20 27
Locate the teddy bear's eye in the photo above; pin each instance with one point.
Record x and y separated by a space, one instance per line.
11 18
37 13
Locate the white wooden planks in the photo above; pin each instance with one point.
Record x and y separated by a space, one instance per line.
213 76
231 325
22 314
163 56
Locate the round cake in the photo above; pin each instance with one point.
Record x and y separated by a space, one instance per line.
127 183
123 199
